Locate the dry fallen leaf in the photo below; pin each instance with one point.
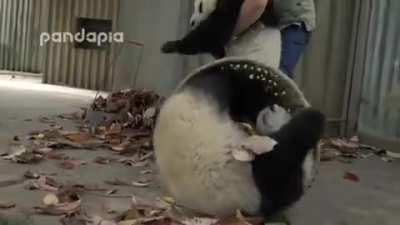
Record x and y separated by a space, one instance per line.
43 183
116 182
43 151
115 128
31 175
7 205
80 137
345 146
351 177
74 219
57 156
103 160
199 221
97 220
393 155
259 144
50 199
329 154
71 164
60 208
15 151
138 202
140 183
242 155
158 220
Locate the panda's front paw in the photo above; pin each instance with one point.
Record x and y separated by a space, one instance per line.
170 47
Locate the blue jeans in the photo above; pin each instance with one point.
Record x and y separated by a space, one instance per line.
294 41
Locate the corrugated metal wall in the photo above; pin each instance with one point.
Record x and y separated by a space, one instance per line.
380 106
20 27
323 74
85 68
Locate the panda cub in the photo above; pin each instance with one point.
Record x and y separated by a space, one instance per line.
213 23
192 140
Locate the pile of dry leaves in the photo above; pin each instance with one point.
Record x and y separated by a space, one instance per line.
65 200
347 150
122 122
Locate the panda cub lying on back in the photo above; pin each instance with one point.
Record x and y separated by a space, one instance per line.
192 141
213 23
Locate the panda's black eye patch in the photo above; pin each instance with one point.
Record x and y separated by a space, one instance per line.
201 7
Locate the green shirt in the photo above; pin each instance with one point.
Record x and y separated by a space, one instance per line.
295 11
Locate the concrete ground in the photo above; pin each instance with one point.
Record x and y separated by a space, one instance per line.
375 199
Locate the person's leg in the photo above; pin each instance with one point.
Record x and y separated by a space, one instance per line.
294 41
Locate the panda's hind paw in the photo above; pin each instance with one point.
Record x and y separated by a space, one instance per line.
170 47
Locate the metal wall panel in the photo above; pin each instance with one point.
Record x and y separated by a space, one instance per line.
20 30
380 105
324 73
85 68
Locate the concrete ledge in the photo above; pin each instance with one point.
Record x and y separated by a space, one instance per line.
390 144
35 84
20 73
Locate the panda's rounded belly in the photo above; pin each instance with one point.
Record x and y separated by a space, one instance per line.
192 141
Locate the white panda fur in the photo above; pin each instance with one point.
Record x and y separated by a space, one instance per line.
202 9
202 138
193 140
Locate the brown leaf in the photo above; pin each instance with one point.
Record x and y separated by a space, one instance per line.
158 220
329 154
116 182
199 221
43 183
57 156
44 119
71 164
259 144
133 162
31 175
20 154
59 209
97 220
111 192
138 202
43 151
146 172
345 146
80 137
140 183
351 177
115 128
240 221
7 205
242 155
74 219
103 160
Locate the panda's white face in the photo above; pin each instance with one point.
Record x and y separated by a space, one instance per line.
202 9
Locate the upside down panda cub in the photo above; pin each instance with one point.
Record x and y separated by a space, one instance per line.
197 130
212 26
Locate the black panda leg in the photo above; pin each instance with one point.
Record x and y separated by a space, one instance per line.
212 34
279 174
219 53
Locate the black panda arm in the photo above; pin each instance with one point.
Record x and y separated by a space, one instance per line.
278 174
212 34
